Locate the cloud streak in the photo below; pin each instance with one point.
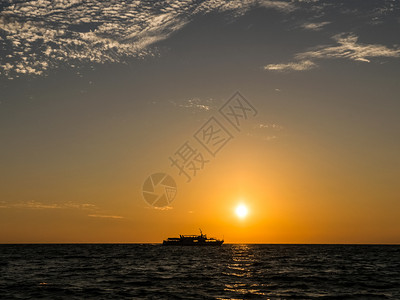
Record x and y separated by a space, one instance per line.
42 205
105 216
93 210
292 66
314 26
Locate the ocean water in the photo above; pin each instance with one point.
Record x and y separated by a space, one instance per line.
136 271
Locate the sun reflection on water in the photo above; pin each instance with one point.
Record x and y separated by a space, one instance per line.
240 270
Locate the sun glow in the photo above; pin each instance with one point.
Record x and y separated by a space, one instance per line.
241 211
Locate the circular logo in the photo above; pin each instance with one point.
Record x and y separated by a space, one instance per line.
159 189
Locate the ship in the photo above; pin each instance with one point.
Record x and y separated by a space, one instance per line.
192 240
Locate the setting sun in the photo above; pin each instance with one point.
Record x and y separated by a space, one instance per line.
241 211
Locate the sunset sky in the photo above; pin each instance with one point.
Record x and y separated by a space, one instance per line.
95 96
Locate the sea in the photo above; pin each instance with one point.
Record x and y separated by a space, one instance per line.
236 271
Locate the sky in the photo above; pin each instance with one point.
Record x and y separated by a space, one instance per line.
134 121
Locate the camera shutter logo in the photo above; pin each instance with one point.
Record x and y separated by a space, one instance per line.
159 189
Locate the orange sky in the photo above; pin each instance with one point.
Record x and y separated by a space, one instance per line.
318 163
294 195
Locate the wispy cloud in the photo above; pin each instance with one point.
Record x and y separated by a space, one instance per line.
42 205
93 210
314 26
292 66
346 47
162 208
106 216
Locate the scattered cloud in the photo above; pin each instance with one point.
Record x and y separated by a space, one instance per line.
292 66
265 131
283 6
314 26
39 35
268 126
263 137
195 104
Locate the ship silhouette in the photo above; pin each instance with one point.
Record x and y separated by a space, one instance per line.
192 240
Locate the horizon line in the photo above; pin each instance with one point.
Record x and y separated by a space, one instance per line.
160 243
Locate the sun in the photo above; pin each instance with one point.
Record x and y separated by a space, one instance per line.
241 211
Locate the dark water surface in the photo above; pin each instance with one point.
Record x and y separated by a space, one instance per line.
133 271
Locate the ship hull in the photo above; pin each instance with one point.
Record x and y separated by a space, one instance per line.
192 240
196 244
